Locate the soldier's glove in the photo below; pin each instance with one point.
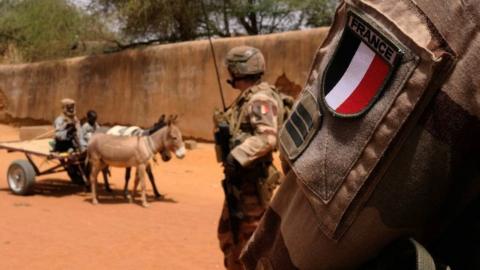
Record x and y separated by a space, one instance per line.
231 167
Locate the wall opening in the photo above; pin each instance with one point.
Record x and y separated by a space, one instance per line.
286 86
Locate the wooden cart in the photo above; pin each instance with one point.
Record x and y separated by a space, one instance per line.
21 173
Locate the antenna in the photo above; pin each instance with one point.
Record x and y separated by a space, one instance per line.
213 54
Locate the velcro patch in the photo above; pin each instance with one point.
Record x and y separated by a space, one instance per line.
300 127
262 108
359 70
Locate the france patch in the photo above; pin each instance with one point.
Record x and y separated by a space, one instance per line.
359 70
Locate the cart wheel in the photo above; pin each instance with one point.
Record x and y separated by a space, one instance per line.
75 175
21 177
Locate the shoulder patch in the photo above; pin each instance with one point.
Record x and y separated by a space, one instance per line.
261 108
359 70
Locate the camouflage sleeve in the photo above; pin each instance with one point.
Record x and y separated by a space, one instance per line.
262 111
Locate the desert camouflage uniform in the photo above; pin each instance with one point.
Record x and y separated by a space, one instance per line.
253 122
408 167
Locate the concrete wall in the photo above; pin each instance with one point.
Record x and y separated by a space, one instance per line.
135 87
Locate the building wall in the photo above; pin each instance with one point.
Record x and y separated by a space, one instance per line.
135 87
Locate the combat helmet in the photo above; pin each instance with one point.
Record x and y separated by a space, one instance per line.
244 61
68 107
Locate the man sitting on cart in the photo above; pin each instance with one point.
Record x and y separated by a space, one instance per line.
67 129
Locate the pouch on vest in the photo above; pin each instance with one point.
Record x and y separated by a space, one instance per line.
267 185
370 80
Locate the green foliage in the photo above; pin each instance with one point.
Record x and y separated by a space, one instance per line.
45 29
163 20
320 12
179 20
34 30
268 16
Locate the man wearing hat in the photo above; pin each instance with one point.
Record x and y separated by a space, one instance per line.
67 129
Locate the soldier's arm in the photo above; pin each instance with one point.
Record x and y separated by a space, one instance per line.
262 113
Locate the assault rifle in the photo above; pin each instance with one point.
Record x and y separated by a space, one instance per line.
222 141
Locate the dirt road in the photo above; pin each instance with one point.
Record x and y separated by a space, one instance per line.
58 227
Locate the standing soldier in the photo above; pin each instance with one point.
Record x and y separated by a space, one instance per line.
67 129
383 145
246 136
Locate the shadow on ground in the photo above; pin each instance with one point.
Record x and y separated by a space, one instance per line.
63 188
117 198
53 188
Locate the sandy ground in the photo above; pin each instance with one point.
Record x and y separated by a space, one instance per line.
58 227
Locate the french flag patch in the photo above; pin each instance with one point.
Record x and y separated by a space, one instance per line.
359 70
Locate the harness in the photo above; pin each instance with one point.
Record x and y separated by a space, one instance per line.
150 146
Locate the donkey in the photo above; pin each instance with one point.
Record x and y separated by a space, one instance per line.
109 150
137 131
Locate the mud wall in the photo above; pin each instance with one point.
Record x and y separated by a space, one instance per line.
135 87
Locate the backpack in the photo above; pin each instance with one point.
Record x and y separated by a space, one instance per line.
286 103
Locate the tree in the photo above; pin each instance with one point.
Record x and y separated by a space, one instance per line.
155 20
179 20
269 16
49 29
320 12
45 29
